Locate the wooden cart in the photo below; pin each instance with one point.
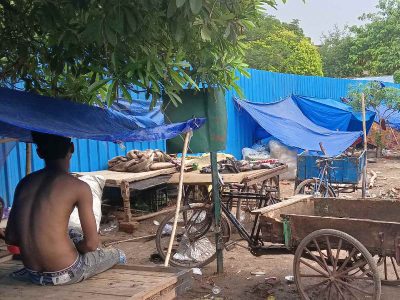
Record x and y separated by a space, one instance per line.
127 182
343 248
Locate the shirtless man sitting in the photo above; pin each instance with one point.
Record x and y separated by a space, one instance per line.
38 222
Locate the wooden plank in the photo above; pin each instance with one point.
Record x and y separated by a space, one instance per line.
7 140
114 179
165 283
291 201
121 282
149 183
197 178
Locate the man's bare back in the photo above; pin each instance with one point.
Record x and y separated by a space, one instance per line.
42 205
38 222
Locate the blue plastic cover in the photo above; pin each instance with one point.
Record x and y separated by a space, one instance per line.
332 114
5 149
392 117
286 122
22 112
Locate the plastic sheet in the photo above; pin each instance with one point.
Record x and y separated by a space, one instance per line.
284 155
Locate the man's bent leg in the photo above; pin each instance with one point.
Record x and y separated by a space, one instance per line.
97 262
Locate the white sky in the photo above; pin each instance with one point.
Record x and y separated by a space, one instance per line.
319 16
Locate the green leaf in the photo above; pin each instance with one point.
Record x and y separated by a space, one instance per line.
195 6
180 3
205 34
130 18
96 85
171 8
125 92
110 36
111 93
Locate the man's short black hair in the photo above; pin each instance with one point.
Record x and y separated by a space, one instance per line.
51 146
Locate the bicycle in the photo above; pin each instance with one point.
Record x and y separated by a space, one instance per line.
322 185
195 244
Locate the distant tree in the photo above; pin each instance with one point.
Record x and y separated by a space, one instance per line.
370 49
281 47
81 49
385 101
336 53
396 76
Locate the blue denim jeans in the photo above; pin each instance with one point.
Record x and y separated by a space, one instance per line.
85 266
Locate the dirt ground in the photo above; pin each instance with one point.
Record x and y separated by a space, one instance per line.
237 281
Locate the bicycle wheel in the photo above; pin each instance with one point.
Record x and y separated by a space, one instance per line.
194 244
308 187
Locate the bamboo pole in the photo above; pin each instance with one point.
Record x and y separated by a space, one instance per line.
7 140
28 159
179 198
364 178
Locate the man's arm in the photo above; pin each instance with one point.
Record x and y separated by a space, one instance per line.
90 240
10 235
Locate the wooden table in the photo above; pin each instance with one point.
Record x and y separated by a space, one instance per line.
120 282
132 181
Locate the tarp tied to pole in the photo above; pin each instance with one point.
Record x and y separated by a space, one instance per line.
22 112
286 122
332 114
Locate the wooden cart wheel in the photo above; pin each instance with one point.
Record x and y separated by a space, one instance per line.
330 264
307 187
388 270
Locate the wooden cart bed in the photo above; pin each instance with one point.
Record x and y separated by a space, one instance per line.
121 282
249 177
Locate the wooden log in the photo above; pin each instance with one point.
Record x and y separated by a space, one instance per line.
135 239
152 215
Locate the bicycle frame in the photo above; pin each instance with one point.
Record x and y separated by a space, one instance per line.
324 178
253 238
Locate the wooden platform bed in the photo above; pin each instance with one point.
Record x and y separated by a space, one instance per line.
121 282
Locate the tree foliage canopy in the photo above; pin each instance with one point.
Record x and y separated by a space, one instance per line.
84 48
281 47
370 49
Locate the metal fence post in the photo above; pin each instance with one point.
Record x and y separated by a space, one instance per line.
217 212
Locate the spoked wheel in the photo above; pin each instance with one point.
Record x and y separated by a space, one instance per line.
388 270
196 194
194 244
271 186
309 187
330 264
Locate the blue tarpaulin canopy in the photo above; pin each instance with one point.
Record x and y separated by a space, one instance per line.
391 116
285 121
22 112
332 114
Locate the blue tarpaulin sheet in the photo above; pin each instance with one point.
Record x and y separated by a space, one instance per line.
332 114
391 116
286 122
22 112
